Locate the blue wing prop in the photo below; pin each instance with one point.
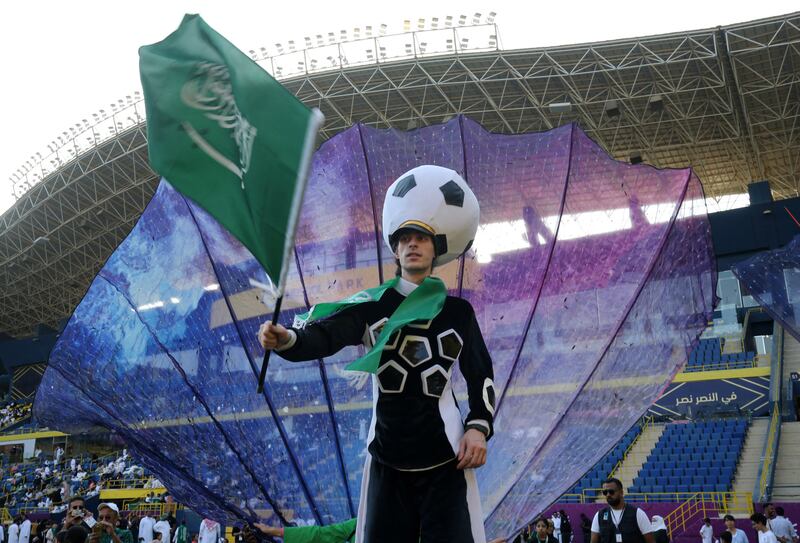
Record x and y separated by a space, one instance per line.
591 280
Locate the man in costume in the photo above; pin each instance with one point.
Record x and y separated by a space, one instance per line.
419 482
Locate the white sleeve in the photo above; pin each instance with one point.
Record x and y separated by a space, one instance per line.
596 523
643 521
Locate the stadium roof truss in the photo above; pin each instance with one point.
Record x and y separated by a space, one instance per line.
724 100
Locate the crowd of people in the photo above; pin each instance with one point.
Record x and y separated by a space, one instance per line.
48 483
12 413
620 521
108 525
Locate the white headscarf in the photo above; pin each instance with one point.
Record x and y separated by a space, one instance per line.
658 523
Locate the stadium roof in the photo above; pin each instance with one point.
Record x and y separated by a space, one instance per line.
724 100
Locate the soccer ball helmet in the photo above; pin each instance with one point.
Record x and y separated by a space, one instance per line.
436 201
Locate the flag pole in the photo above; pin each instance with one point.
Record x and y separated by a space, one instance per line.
265 362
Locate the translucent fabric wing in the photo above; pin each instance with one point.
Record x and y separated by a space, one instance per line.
591 279
773 279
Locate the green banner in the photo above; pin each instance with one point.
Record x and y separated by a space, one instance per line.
227 135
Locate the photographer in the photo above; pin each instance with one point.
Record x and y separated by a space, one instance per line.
106 531
77 515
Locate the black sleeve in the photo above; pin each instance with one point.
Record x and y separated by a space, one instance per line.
327 336
476 367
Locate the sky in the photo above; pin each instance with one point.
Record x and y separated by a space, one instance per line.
62 61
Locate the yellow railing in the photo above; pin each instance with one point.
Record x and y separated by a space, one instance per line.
153 509
742 364
769 452
5 516
706 504
114 484
734 503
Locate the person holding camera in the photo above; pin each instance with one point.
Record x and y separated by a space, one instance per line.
106 531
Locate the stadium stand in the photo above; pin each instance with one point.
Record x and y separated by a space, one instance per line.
44 486
12 414
708 355
693 457
595 476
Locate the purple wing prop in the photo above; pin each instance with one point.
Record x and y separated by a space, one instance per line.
591 280
773 279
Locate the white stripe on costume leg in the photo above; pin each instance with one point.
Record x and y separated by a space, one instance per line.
361 521
474 507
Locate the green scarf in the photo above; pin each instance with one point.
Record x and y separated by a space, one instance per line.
423 304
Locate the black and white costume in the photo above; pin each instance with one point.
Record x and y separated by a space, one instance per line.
411 490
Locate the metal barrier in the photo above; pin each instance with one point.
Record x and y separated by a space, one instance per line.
739 365
117 484
155 510
706 504
724 502
769 456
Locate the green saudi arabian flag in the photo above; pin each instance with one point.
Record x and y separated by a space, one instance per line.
224 133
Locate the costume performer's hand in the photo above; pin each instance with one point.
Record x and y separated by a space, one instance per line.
272 335
472 450
266 529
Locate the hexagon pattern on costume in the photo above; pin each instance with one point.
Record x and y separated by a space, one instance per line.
415 350
434 381
391 377
450 344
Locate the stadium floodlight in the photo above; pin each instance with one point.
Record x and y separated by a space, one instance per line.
490 17
462 20
314 64
611 108
292 46
320 40
560 107
279 48
406 25
449 42
331 37
409 49
422 46
368 31
420 24
308 42
656 103
448 21
464 43
370 56
476 19
382 50
383 30
356 33
492 40
343 35
435 22
301 66
263 51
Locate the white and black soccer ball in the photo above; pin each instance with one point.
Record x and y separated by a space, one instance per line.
439 198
